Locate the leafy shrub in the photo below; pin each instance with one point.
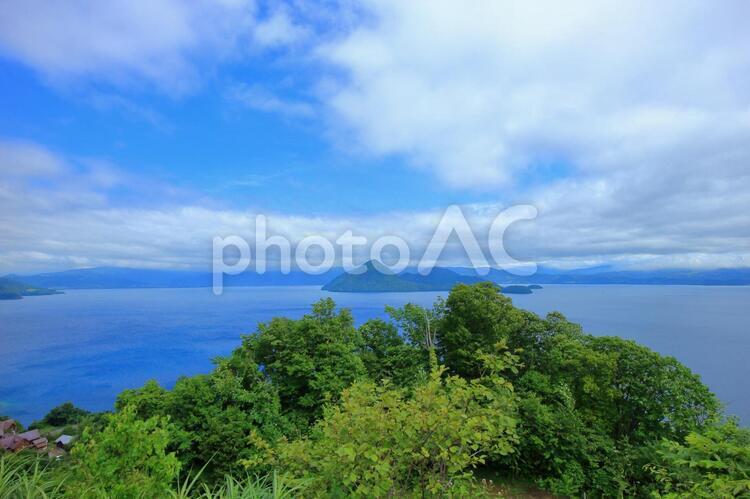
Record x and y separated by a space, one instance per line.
710 464
382 442
127 459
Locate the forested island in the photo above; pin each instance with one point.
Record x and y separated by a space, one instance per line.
464 399
374 277
11 289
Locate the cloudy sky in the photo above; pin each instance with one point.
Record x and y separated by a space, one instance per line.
133 132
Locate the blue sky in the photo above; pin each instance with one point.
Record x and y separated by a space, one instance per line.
132 132
205 142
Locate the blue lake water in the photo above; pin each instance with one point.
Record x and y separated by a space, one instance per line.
88 345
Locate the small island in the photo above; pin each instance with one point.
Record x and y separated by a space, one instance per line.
516 290
11 289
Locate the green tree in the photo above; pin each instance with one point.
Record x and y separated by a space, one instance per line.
128 459
639 395
535 337
148 401
310 361
652 396
221 421
414 322
590 408
557 448
387 355
62 415
476 317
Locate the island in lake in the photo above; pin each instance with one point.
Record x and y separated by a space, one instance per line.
10 289
374 277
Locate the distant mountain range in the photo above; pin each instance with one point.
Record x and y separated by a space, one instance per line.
121 277
606 275
11 289
374 279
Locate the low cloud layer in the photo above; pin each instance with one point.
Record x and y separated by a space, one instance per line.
73 219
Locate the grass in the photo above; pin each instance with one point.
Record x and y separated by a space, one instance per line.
29 477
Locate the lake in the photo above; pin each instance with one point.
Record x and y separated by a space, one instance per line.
88 345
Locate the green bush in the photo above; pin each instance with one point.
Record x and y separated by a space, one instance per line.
127 459
380 441
713 463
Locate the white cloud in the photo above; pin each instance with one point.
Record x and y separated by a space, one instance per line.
74 219
258 98
130 109
24 159
121 41
278 29
477 92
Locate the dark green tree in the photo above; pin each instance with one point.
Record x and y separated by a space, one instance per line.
387 355
220 421
310 361
62 415
476 317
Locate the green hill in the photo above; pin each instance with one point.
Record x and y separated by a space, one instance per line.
374 277
11 289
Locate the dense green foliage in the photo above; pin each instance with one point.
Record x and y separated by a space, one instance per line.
310 360
589 407
213 417
474 320
714 463
412 406
381 441
126 459
386 354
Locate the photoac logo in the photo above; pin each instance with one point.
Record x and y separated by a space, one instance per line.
342 248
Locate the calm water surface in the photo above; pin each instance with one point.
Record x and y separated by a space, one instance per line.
88 345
